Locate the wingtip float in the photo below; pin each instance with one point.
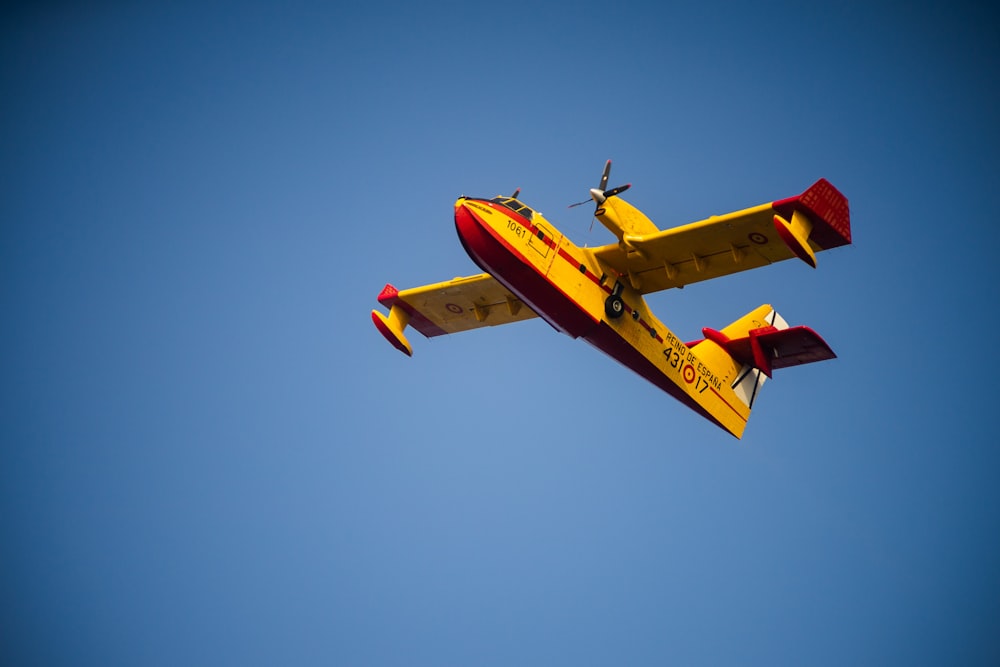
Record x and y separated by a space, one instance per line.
532 270
820 214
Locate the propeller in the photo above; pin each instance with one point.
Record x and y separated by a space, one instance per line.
600 194
516 193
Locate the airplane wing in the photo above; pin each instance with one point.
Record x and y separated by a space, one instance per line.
455 305
816 220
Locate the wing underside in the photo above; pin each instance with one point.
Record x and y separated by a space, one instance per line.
800 226
449 307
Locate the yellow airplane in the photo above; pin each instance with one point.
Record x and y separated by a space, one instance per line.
531 270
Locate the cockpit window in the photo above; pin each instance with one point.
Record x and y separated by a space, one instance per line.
514 205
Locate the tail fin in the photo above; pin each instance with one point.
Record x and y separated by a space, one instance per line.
754 346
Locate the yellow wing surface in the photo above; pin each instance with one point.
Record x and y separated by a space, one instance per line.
443 308
801 226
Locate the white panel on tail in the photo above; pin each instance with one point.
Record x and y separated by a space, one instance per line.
748 384
749 380
776 320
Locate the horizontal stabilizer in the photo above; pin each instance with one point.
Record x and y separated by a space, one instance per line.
768 348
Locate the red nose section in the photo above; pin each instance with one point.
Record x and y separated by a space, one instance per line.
465 221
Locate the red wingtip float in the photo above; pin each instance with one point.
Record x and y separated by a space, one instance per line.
393 332
531 270
820 214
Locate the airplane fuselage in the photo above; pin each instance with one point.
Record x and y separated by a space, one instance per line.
568 286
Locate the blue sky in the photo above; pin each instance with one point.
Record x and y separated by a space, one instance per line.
210 456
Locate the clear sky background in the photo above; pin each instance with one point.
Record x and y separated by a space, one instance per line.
210 456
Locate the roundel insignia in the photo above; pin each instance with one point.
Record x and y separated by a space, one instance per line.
758 238
688 373
452 308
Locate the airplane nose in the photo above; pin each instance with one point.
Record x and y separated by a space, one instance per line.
597 195
464 219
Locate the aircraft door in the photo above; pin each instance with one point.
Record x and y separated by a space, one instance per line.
546 243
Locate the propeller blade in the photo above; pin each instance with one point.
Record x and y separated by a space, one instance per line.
516 193
617 191
599 194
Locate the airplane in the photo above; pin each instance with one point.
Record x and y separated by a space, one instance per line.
532 270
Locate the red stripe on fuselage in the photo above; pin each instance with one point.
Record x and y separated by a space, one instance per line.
729 405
